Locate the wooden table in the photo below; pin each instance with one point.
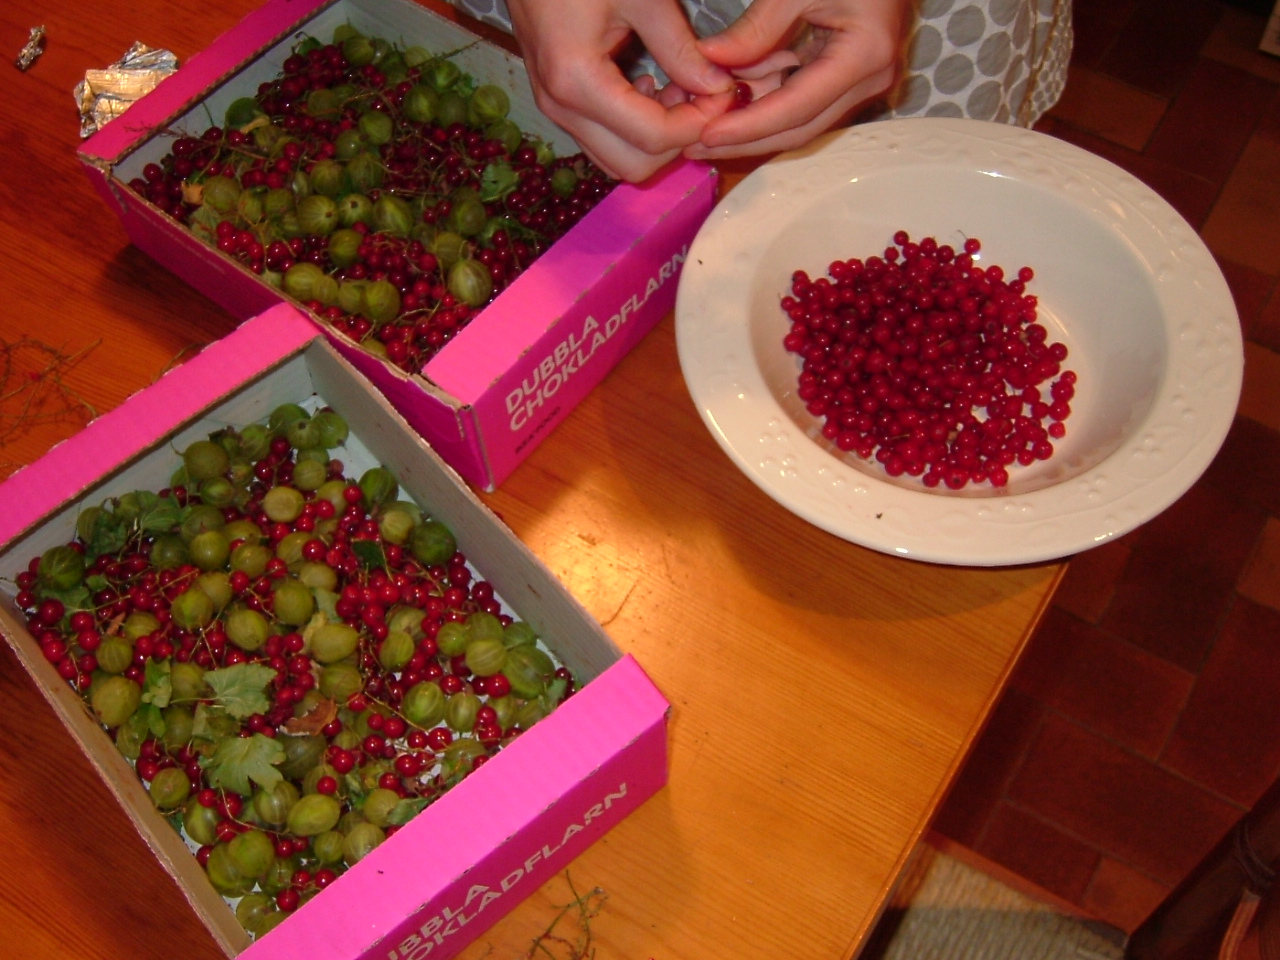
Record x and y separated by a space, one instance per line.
824 694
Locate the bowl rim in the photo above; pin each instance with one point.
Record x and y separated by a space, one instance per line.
1165 452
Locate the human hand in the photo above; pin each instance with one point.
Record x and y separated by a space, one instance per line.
568 48
853 58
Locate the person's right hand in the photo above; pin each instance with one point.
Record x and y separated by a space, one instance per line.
569 48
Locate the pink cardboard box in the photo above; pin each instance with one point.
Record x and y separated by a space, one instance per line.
450 873
497 389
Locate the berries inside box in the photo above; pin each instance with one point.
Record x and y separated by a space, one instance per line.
581 767
484 383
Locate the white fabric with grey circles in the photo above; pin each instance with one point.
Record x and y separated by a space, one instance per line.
999 60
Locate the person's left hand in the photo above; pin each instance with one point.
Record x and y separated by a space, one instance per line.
853 58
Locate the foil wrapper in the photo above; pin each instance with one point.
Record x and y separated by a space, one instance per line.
31 49
105 94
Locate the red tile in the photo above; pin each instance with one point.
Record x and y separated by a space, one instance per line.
1039 852
1096 24
1265 326
1218 97
1159 44
1090 581
988 768
1247 465
1191 195
1123 805
1122 896
1252 291
1181 574
1109 685
1228 739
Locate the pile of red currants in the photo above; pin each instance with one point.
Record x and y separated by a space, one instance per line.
930 364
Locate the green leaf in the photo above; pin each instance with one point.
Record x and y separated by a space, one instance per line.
150 714
212 723
77 598
158 686
241 689
159 514
407 809
110 534
498 180
369 554
238 760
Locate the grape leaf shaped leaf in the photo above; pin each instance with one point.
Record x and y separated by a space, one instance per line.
237 760
241 689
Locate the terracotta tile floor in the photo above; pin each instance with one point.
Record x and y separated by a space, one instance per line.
1145 717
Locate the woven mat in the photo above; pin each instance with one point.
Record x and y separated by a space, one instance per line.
946 910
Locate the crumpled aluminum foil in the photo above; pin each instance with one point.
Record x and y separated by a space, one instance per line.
32 49
105 94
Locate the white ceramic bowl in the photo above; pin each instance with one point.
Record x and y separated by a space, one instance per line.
1121 278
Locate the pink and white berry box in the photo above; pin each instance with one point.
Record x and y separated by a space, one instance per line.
528 359
445 877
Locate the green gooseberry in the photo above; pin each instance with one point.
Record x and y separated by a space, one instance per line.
283 504
114 699
442 74
348 143
220 194
225 875
192 609
209 550
360 842
317 215
376 127
333 428
168 552
332 642
324 103
204 459
359 50
378 804
471 282
200 822
487 103
301 278
393 215
251 559
60 568
379 487
252 852
365 173
293 603
247 628
170 788
114 655
344 245
423 704
432 543
419 103
395 650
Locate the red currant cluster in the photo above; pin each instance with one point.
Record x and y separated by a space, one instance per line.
928 362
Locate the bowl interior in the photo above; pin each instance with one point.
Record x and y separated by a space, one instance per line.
1096 294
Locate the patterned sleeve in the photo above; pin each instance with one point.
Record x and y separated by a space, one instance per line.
999 60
